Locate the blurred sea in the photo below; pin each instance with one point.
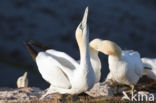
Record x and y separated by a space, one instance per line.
129 23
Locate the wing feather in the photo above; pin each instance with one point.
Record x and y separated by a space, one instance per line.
51 70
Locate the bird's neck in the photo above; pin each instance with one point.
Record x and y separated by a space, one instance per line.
113 62
84 53
115 57
93 53
95 61
116 54
96 64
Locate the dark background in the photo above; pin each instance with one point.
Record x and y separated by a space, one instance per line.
130 23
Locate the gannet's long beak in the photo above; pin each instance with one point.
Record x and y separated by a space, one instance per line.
83 22
84 19
83 25
82 30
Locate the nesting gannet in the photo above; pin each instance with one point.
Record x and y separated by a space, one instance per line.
124 52
22 81
125 66
65 75
149 63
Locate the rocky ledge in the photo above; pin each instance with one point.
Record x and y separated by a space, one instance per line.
34 94
102 90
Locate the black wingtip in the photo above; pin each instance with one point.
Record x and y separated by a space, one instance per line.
31 50
38 44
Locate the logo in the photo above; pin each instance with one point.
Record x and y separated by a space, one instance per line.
138 97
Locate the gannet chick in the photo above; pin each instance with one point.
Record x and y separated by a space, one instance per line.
150 63
125 66
22 81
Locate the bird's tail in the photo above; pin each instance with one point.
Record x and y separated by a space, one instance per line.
31 50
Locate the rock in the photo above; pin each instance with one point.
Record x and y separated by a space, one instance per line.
25 95
55 96
21 94
100 89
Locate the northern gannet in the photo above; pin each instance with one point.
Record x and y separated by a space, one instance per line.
95 60
22 81
67 77
150 63
125 66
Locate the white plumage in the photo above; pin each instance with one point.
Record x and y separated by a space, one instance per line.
65 59
63 73
126 70
95 60
96 63
50 68
130 60
125 66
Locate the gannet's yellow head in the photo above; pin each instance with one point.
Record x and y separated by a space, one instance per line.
110 48
82 30
95 44
106 46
